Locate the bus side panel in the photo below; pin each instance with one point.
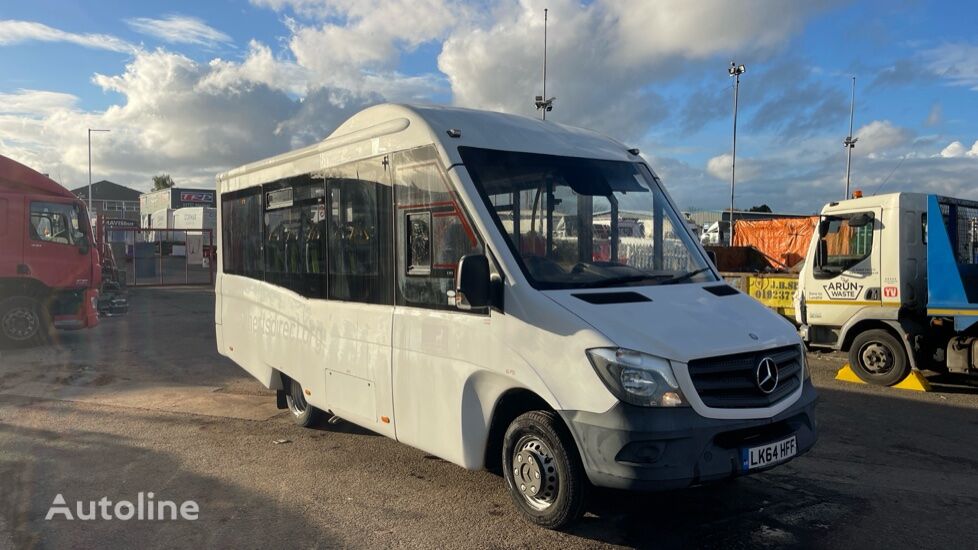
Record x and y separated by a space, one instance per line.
241 327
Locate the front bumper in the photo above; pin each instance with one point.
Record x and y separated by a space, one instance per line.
641 448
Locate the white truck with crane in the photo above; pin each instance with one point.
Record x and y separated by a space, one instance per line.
893 280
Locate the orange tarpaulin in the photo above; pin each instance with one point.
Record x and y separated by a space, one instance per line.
783 240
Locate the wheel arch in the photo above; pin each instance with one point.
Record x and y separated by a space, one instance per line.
902 330
508 406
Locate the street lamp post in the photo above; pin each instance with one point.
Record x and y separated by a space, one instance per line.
850 142
734 71
91 208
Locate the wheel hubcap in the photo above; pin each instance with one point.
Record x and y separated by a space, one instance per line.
877 358
20 324
298 401
535 472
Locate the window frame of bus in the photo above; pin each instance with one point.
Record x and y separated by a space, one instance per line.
255 192
416 211
303 196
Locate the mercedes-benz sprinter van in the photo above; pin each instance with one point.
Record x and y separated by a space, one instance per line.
463 282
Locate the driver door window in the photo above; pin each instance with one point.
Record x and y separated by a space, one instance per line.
433 232
846 246
55 223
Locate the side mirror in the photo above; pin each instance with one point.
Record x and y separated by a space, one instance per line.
472 282
712 256
83 245
821 254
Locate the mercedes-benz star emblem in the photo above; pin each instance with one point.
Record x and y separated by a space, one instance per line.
767 375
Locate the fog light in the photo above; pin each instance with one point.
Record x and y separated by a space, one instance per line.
671 399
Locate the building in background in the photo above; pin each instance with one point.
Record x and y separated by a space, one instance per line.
111 201
156 208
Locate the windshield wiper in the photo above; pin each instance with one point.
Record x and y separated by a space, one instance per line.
684 276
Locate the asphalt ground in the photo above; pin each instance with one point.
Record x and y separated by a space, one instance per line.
143 403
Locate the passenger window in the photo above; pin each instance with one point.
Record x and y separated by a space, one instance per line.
433 232
358 212
295 213
55 223
241 231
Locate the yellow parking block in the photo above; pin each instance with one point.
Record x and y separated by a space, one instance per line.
914 381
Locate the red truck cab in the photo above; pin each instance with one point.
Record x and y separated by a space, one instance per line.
49 265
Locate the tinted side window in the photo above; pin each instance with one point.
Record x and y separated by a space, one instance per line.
358 211
433 232
241 231
294 225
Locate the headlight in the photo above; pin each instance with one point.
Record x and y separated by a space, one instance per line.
637 378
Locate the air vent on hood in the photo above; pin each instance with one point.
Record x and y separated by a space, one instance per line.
721 290
612 297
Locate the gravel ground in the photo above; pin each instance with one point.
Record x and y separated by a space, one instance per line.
144 404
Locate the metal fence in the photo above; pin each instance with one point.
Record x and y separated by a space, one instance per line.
961 220
163 257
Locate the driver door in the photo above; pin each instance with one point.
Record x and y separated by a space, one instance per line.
56 237
849 279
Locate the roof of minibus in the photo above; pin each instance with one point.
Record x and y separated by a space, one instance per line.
391 127
17 177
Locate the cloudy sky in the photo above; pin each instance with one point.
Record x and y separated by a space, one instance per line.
194 88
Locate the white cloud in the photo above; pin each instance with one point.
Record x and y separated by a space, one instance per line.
35 102
180 29
17 32
720 166
957 62
259 66
955 149
189 119
881 136
357 44
606 58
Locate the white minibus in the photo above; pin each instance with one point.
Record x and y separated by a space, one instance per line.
449 278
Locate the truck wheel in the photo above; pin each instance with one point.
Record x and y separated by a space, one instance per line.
303 413
22 322
878 357
543 472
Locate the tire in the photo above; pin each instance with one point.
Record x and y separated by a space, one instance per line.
878 357
303 413
22 322
537 446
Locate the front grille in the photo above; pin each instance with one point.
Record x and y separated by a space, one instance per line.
730 382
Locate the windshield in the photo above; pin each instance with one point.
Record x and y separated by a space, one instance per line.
583 223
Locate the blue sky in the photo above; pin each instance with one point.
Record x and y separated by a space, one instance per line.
193 88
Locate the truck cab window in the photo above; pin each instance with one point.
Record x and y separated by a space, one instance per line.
56 223
846 245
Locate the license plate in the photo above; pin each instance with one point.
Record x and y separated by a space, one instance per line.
753 458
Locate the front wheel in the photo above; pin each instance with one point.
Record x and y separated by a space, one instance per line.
21 321
543 473
303 413
878 357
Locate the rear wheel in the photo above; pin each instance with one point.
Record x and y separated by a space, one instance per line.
878 357
303 413
22 322
543 472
